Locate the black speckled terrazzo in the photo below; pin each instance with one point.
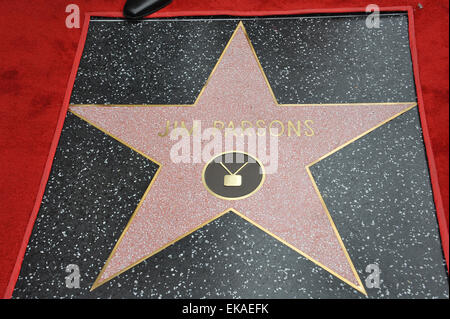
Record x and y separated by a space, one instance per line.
335 60
379 195
94 187
154 62
306 60
228 258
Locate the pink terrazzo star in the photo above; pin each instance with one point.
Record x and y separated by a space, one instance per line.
287 205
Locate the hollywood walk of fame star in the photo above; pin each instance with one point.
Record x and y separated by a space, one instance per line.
288 206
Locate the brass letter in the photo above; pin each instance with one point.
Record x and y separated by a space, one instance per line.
167 130
261 124
297 131
244 128
184 126
311 131
281 125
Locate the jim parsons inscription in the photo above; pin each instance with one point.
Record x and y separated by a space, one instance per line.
275 127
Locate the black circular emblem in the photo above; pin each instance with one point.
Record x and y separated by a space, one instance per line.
233 175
